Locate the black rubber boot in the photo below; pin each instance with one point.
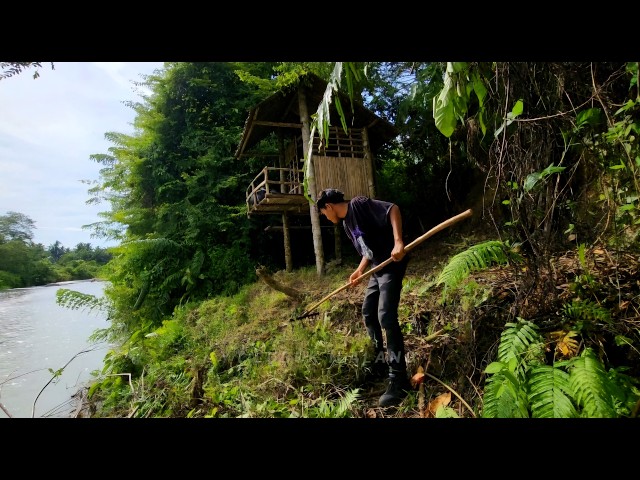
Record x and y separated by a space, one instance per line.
376 367
397 390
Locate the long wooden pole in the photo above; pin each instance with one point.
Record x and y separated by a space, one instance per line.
407 248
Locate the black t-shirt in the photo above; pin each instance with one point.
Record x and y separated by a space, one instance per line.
369 219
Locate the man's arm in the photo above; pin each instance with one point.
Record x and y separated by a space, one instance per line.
396 223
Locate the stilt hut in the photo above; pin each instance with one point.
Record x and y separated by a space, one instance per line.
344 162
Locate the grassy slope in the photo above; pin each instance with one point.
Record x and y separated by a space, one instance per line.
249 355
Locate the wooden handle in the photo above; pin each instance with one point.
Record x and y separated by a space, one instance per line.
380 266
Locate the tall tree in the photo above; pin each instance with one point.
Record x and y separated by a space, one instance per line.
56 251
16 226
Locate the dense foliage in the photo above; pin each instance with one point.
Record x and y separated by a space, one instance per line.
176 193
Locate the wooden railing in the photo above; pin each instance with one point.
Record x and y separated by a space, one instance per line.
274 180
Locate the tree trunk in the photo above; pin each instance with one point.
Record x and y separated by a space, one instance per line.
311 182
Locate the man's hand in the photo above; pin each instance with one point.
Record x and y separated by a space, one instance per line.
354 276
362 267
398 251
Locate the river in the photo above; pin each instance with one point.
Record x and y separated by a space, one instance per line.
36 334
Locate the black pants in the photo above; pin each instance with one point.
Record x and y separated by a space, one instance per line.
380 310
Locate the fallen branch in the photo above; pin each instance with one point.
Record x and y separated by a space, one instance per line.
273 283
433 335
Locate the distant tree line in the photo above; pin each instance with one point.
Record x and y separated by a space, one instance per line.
24 263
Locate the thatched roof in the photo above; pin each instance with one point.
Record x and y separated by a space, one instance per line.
282 107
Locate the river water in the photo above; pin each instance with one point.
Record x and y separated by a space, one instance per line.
36 335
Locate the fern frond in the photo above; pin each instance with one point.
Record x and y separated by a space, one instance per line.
626 395
590 386
154 244
520 346
338 409
78 300
196 263
475 258
586 312
504 397
172 279
548 388
345 403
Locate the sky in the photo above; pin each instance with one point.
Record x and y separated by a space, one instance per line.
49 128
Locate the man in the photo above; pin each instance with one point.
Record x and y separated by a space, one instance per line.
375 229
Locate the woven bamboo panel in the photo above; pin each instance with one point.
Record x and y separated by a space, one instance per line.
340 144
346 174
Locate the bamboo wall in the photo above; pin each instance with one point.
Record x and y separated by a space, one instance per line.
342 162
346 174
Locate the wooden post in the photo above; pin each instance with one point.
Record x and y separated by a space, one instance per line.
311 182
368 163
287 243
288 261
282 162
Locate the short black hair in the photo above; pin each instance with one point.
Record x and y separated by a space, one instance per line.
329 195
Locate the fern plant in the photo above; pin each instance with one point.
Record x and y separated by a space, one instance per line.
521 385
586 314
475 258
521 347
590 385
550 392
341 408
81 301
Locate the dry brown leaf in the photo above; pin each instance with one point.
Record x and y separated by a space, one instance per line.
566 344
418 378
371 413
563 348
439 401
